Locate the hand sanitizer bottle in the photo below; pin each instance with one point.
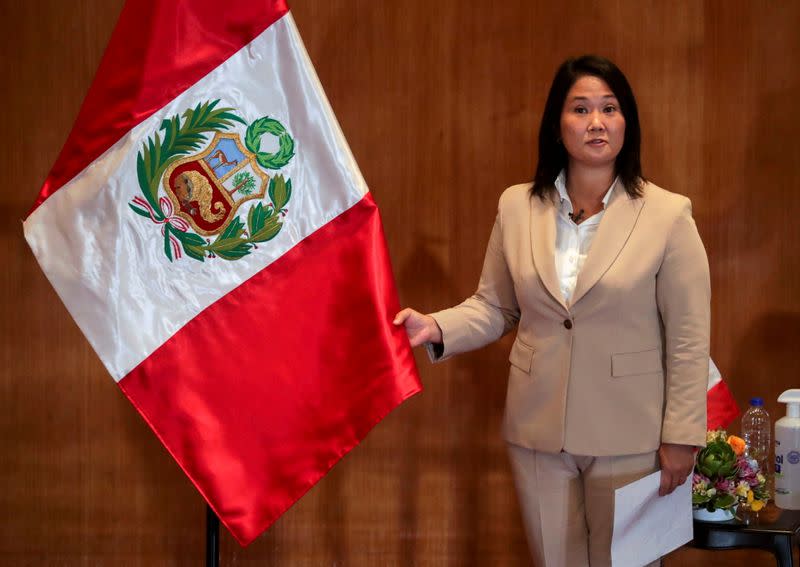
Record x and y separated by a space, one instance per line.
787 453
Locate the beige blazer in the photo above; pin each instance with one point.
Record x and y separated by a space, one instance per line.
624 366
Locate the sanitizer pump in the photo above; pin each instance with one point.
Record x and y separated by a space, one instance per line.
787 453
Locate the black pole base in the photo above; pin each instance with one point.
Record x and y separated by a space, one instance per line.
212 538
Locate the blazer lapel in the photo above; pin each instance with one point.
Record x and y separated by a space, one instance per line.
615 228
543 244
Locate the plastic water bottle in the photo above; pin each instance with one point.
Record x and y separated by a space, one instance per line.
756 431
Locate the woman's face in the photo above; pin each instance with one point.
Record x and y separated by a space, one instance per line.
592 126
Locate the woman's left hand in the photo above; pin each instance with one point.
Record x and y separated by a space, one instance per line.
677 462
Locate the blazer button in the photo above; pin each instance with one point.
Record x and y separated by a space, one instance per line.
568 323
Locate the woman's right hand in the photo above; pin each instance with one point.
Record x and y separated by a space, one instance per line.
420 328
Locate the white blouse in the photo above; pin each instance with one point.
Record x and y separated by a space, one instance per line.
573 241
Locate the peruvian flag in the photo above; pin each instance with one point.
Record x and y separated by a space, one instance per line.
720 403
209 231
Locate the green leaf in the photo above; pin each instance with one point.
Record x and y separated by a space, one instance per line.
286 147
279 192
144 185
760 492
193 244
196 252
727 470
139 211
724 501
190 238
225 244
141 173
230 249
234 230
231 116
252 139
269 231
256 218
144 174
147 153
167 245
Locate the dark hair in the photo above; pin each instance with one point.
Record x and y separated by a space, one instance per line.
552 154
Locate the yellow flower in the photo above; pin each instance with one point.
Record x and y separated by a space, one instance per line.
755 505
742 489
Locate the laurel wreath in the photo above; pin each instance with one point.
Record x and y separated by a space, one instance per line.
263 222
252 141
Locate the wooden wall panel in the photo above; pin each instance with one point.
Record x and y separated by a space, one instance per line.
440 102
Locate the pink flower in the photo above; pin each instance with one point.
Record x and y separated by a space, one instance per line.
724 485
744 466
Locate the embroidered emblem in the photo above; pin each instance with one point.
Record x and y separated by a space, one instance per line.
196 197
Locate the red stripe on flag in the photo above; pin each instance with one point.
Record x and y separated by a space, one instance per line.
722 407
158 50
255 427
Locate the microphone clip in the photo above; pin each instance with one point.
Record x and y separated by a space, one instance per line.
576 217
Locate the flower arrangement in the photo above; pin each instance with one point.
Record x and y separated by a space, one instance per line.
724 476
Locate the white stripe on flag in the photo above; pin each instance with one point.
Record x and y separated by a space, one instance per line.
714 375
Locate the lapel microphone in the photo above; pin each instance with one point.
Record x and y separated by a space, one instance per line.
576 218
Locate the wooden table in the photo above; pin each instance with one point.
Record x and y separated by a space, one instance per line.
771 529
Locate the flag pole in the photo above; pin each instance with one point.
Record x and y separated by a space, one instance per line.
212 538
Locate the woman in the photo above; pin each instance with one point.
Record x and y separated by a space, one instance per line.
606 277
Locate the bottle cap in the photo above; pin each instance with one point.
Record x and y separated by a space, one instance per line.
756 401
792 400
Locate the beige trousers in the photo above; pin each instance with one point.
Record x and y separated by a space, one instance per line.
567 503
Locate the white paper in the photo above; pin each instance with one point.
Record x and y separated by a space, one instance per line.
648 526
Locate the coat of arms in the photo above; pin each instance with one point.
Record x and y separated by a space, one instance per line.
196 197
